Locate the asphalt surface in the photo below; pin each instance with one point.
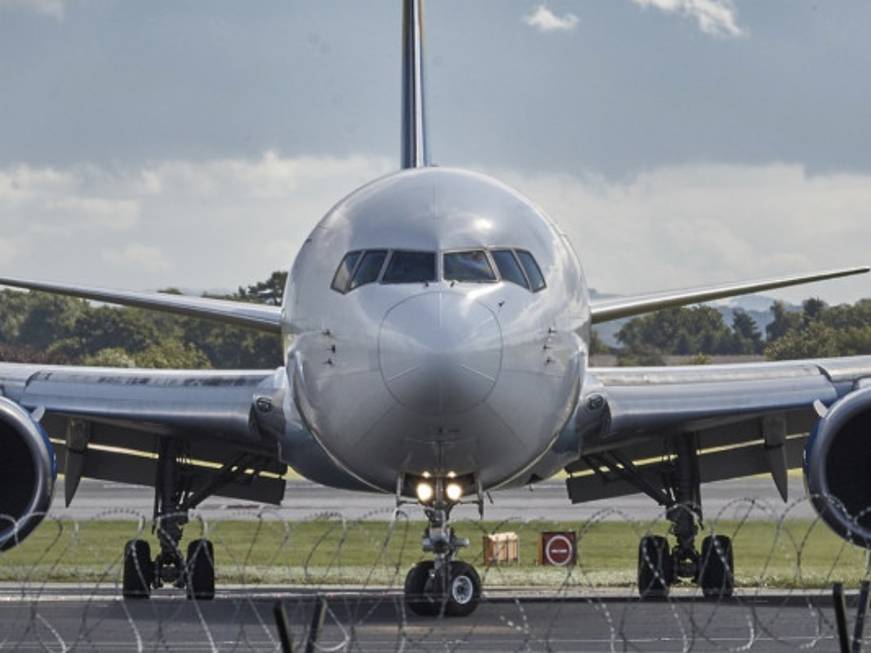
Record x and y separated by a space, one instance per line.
548 500
90 620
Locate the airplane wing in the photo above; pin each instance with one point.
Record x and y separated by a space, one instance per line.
108 423
740 420
614 309
257 316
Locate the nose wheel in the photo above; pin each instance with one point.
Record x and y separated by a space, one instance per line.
453 590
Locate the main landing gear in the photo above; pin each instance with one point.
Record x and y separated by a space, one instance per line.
659 565
174 496
442 586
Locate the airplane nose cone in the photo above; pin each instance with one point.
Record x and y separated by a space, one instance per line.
440 352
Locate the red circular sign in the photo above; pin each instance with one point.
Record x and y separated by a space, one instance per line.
559 551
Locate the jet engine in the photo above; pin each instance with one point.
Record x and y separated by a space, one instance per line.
28 470
837 467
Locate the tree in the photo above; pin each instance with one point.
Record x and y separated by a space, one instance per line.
270 291
683 331
110 357
814 341
812 309
782 323
173 354
597 345
748 339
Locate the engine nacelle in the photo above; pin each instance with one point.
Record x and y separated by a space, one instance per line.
837 467
28 470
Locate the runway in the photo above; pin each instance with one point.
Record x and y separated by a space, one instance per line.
85 619
545 501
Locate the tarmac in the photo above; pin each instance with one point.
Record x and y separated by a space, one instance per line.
239 619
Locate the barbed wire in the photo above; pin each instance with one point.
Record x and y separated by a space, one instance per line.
60 590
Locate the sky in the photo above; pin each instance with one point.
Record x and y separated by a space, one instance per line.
195 144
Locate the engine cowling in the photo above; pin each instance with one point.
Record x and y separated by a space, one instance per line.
837 467
28 470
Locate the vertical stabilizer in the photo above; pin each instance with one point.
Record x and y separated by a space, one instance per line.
414 152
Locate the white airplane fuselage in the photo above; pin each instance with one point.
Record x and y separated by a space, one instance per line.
439 378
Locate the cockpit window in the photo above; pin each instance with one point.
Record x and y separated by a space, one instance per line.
343 273
470 266
533 272
369 268
509 268
411 267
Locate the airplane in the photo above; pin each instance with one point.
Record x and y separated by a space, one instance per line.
436 329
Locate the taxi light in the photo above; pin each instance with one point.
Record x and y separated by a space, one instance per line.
424 491
454 491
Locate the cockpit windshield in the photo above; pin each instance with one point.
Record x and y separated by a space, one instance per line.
410 267
346 268
533 272
472 266
361 267
369 268
509 268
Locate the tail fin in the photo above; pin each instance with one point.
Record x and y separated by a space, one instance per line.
414 152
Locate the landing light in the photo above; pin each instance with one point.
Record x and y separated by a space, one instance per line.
454 491
424 492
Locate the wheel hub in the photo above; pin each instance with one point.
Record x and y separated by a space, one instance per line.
462 589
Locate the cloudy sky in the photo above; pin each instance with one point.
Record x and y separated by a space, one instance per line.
678 142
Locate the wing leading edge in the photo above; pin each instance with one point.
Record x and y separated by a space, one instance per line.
615 309
256 316
743 419
110 424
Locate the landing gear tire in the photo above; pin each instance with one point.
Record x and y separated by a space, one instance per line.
417 599
655 567
429 594
138 570
464 590
716 575
201 570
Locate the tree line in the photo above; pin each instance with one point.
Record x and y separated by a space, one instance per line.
42 328
817 331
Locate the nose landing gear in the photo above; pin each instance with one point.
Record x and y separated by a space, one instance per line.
443 586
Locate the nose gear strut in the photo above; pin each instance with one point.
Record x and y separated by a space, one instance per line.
442 586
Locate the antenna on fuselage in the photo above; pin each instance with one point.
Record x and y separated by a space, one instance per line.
414 152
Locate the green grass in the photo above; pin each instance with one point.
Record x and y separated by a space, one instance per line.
796 554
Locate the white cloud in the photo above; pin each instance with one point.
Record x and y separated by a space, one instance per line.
211 224
715 17
225 222
681 226
56 203
544 20
51 8
139 257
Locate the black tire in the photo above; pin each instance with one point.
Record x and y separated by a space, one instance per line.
463 589
716 575
417 599
655 567
201 570
138 570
